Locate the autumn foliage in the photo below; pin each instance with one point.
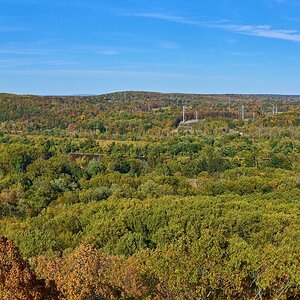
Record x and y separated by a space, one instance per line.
81 275
113 197
17 280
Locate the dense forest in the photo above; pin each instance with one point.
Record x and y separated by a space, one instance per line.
115 197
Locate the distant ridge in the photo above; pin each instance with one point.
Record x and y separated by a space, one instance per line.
151 93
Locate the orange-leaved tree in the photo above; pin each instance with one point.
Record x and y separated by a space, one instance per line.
17 280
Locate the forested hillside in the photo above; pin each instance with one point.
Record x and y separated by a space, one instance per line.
114 197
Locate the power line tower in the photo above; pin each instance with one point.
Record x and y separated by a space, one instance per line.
183 114
275 109
243 112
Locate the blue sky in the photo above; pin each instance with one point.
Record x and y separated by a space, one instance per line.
93 47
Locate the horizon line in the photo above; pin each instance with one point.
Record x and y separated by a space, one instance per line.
152 92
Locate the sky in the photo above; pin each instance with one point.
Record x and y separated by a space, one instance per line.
67 47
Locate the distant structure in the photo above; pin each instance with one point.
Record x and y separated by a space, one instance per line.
275 110
243 112
185 125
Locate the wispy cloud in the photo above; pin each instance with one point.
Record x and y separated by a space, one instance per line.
24 51
16 62
93 73
165 17
109 52
264 31
168 45
244 54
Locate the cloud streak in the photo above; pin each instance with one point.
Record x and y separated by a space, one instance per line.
263 31
91 73
165 17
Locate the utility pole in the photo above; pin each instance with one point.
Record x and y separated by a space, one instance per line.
243 112
197 116
183 114
273 111
276 109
